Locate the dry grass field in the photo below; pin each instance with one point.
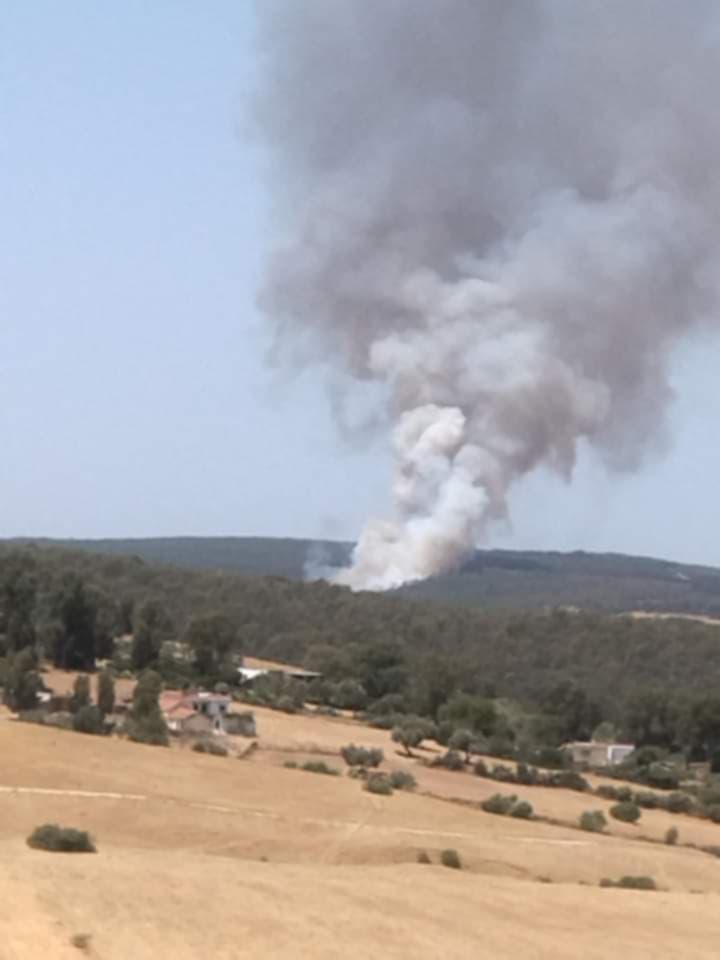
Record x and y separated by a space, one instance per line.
227 858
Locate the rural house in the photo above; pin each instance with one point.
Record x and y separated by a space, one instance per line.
198 712
593 753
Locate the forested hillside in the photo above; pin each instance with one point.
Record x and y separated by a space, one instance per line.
56 594
508 579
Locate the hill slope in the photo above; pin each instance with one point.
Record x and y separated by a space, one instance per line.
217 857
516 579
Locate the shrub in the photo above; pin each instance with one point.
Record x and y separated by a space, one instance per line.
527 776
678 803
569 780
501 746
81 941
713 813
358 773
411 731
286 704
390 704
503 774
638 883
319 766
450 760
88 719
58 839
594 821
480 769
671 836
402 780
379 783
212 747
323 710
362 756
648 801
662 776
348 694
422 857
522 810
465 741
553 758
291 764
499 804
626 811
607 791
709 796
451 858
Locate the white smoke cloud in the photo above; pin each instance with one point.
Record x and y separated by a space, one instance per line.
505 213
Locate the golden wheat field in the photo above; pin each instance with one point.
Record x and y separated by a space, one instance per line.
202 856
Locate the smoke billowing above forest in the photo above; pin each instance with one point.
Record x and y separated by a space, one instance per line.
505 213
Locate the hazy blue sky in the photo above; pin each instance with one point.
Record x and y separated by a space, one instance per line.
134 398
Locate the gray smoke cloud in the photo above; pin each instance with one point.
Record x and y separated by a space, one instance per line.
507 213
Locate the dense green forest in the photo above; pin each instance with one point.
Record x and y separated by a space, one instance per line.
507 579
383 652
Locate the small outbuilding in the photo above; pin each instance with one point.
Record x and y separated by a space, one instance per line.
592 753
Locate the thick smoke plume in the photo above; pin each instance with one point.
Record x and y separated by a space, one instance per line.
504 211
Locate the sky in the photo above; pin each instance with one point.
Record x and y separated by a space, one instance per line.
135 394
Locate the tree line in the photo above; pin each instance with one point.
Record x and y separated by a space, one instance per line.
542 676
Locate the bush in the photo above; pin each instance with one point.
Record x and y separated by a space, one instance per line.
422 857
212 747
402 780
713 813
527 776
553 758
411 731
626 811
291 764
631 883
379 783
671 836
58 839
663 776
594 821
522 810
569 780
358 773
678 803
362 756
286 704
648 801
451 858
607 791
499 804
88 719
319 766
480 769
450 760
503 774
465 741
